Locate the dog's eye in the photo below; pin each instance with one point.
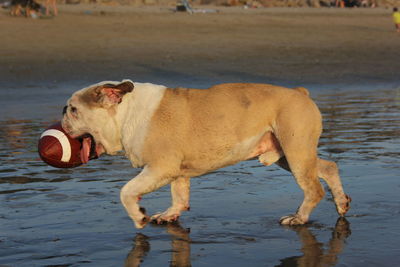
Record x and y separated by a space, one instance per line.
74 109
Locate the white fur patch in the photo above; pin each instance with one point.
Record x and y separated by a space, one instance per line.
136 111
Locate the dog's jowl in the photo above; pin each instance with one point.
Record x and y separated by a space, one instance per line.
179 133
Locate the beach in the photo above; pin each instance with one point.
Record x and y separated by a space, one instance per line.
293 45
347 58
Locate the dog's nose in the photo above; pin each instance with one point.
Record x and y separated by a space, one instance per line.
65 110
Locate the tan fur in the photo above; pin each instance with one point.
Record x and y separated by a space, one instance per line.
189 132
208 123
302 90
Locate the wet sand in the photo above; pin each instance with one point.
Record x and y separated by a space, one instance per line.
294 45
73 217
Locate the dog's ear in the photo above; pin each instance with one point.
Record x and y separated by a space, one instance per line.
113 93
109 94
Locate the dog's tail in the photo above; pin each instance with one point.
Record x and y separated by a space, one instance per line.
302 90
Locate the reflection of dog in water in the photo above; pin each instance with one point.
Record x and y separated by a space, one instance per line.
314 252
24 7
180 243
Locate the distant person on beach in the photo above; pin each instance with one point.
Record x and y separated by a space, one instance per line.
53 4
396 19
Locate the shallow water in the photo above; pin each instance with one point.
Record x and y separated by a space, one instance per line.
55 217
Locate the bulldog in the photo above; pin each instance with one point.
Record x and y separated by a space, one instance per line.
178 133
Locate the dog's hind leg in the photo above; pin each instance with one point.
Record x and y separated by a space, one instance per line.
298 134
147 181
328 171
180 191
305 172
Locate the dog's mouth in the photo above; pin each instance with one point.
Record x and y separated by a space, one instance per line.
89 149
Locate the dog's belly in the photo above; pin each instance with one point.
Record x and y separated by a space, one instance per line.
266 146
267 143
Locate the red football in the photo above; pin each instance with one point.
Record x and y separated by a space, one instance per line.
58 149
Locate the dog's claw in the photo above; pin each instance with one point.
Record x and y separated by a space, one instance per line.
291 220
344 208
161 220
142 223
145 219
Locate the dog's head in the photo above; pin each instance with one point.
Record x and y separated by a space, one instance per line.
92 114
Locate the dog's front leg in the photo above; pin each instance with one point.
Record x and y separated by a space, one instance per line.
180 191
147 181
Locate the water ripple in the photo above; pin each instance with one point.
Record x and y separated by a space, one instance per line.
46 210
361 125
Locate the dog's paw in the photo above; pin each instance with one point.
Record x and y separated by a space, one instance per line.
344 206
163 218
291 220
141 223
